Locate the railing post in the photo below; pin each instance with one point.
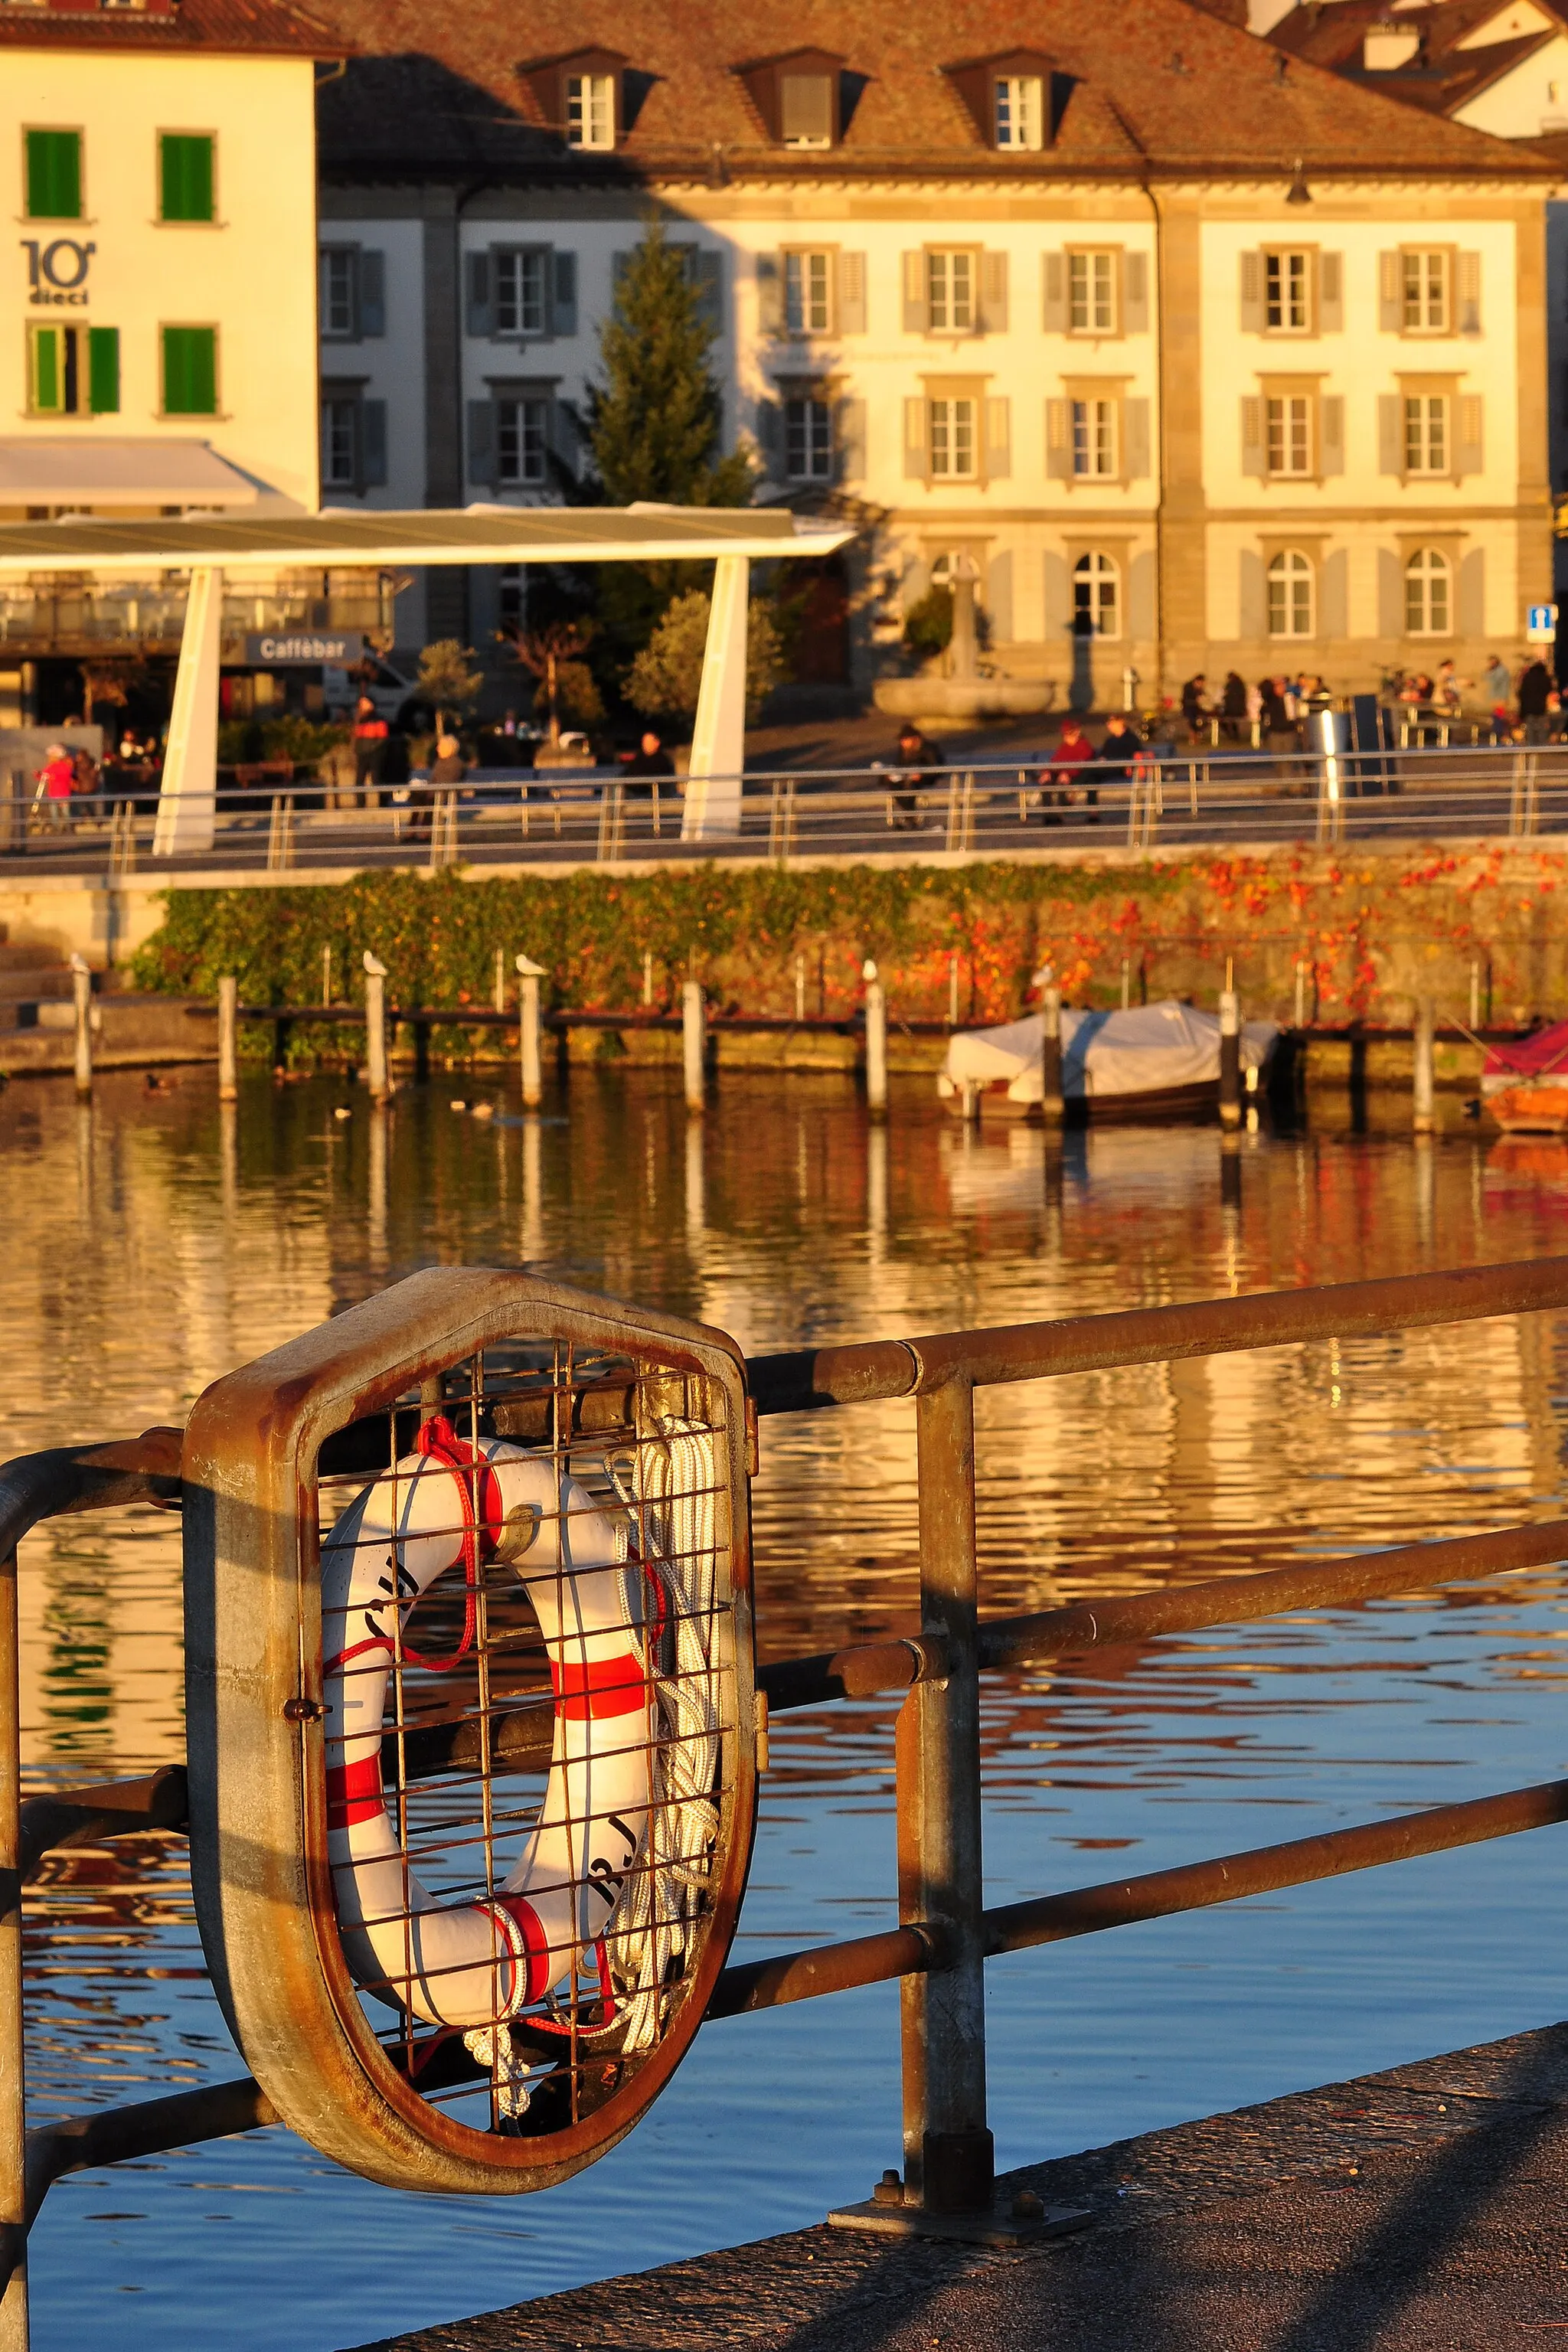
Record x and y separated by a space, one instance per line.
876 1043
949 2158
376 1027
528 1033
13 2142
228 1038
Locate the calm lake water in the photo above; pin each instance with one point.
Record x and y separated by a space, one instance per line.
156 1243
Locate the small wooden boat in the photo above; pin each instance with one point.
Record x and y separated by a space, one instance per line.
1147 1063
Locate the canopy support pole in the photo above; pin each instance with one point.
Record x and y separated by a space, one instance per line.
187 804
719 742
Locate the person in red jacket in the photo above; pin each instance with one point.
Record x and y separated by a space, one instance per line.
56 781
1062 781
370 733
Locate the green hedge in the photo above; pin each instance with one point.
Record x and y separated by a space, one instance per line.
437 934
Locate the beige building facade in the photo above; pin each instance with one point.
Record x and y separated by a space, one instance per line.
1196 359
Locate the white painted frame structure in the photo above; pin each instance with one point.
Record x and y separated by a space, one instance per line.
208 547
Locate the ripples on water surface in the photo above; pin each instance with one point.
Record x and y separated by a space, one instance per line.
155 1245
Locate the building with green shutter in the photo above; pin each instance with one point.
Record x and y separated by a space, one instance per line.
158 348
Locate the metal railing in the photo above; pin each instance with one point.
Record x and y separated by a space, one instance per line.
1156 797
945 1932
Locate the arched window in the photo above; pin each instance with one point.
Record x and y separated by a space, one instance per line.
1290 594
1427 601
1097 594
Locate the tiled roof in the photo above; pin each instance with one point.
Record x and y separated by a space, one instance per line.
1442 79
255 27
1142 88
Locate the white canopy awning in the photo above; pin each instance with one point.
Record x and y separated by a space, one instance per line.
339 537
100 470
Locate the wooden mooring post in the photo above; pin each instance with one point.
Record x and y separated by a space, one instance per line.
375 1028
876 1043
528 1054
694 1047
81 992
1229 1051
228 1038
1053 1107
1423 1037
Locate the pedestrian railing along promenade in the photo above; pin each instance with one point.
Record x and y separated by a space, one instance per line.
1160 796
605 1404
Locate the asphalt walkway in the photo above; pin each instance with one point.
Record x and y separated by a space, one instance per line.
1425 2210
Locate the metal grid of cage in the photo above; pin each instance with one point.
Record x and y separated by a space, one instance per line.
528 1720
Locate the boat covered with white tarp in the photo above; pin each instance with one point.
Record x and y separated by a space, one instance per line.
1147 1061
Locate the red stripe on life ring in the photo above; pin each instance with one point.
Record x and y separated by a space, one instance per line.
604 1686
536 1944
353 1792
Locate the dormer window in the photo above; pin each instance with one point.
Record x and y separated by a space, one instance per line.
591 110
1012 98
805 110
799 97
1019 111
581 97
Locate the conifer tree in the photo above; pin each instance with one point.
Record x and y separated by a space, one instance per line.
655 424
655 431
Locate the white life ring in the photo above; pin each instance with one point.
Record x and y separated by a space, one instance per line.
471 1965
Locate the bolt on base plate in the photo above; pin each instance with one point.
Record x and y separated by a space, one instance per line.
1013 2217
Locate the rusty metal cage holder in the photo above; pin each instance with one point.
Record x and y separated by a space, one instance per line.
257 1769
296 1397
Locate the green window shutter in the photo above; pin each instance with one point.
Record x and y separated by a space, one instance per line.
47 388
103 371
185 176
190 371
54 175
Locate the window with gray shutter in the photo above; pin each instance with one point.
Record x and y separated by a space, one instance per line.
1253 595
481 310
998 439
1469 456
1331 293
849 429
710 291
1473 596
1390 434
770 295
915 459
563 295
372 443
1254 447
482 445
805 110
1389 294
1135 441
999 596
994 293
1055 284
372 294
1333 595
705 276
1059 441
1135 294
1469 293
914 278
1252 293
770 437
851 293
1331 434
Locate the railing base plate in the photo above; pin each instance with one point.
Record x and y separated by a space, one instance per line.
999 2225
